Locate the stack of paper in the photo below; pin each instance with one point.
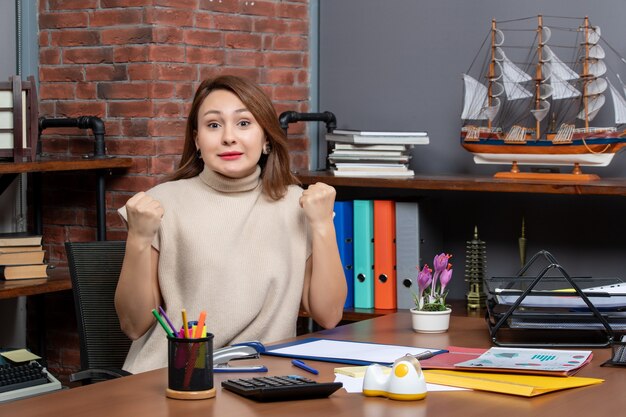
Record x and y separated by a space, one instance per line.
373 154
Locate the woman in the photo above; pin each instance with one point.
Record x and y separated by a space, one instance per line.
231 233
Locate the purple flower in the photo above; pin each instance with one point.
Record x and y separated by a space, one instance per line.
441 262
424 278
445 277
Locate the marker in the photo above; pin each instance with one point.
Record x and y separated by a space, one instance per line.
162 323
200 326
167 319
304 366
185 330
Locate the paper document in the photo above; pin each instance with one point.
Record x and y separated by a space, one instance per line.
341 351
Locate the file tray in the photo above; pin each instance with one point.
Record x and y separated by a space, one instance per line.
554 309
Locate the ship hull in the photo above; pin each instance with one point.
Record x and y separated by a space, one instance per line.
588 151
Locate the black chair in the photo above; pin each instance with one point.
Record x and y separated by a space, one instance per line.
95 268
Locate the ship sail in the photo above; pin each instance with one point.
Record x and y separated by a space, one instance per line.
560 74
596 68
476 102
512 77
619 105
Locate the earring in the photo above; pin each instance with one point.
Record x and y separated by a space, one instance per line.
267 148
198 154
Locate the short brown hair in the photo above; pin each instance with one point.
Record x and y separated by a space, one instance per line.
275 173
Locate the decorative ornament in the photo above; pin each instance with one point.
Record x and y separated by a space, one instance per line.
475 266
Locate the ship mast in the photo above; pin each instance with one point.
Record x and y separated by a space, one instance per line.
538 74
585 75
492 66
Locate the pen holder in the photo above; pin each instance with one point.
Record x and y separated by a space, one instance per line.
190 368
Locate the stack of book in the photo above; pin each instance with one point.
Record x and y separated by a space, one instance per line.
21 257
373 154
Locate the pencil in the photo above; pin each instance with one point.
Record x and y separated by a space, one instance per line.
185 330
167 319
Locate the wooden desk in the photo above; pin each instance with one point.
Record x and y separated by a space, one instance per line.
144 394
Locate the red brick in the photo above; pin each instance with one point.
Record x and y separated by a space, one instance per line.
292 11
185 91
166 53
298 27
167 109
60 74
290 43
233 22
141 72
71 4
130 108
279 76
159 90
49 56
74 38
250 73
171 146
135 183
44 38
134 127
174 72
183 4
80 108
299 162
171 17
205 56
259 8
160 127
271 25
86 91
121 36
125 16
136 147
242 41
225 6
202 38
286 59
97 55
294 93
63 20
130 53
244 58
56 91
117 91
105 73
168 34
125 3
164 164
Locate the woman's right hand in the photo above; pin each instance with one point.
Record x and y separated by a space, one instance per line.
144 216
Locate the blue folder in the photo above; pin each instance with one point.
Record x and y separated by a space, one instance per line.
345 241
363 254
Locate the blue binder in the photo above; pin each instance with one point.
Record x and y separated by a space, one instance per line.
345 241
363 254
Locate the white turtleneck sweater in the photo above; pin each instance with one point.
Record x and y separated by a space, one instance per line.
226 248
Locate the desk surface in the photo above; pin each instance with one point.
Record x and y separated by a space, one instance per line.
144 394
58 280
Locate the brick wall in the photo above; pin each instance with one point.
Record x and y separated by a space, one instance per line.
135 64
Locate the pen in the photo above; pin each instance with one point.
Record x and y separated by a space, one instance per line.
167 319
186 331
304 366
162 323
200 325
424 355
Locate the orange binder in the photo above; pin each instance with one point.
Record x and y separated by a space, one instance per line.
385 254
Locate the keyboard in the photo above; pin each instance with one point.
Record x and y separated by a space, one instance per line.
25 380
280 388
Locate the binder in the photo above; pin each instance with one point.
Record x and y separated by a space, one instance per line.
407 252
344 231
385 254
363 253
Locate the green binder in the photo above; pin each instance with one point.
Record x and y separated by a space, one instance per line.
363 254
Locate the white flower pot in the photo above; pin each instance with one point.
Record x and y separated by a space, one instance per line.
430 321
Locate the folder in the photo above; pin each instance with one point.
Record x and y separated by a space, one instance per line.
385 254
344 227
363 253
515 384
407 252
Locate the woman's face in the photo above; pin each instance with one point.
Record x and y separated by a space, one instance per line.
228 136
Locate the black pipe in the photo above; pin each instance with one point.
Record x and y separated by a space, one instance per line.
293 116
83 122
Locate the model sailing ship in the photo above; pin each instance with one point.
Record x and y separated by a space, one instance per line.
540 112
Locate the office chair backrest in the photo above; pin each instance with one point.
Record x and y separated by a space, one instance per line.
95 268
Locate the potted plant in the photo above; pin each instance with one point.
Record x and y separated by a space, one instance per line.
431 313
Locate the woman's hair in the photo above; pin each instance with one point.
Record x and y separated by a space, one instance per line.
275 173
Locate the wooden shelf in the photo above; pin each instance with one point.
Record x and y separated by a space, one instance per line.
50 164
609 186
58 280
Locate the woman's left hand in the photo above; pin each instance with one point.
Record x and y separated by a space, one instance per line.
318 202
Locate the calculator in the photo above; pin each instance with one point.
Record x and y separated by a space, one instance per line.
280 388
